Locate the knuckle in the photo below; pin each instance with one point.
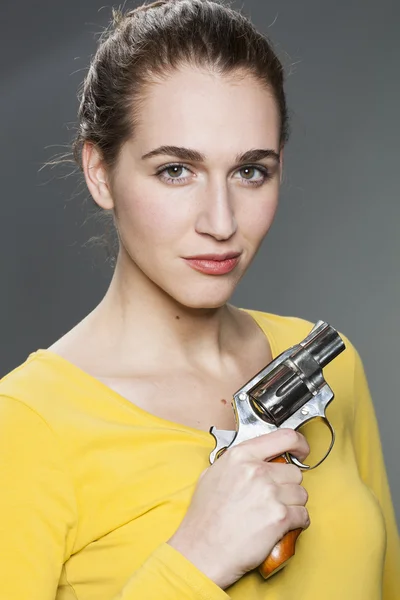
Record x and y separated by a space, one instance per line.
235 454
305 495
281 514
257 470
291 436
296 473
302 441
271 491
300 436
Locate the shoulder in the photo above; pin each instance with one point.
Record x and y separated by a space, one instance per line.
286 330
345 374
281 326
36 383
23 417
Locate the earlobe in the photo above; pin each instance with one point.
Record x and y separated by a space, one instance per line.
96 177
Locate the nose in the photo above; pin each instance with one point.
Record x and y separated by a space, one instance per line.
216 216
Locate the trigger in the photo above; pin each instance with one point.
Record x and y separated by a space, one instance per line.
299 464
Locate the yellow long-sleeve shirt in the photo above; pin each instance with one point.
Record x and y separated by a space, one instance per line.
92 487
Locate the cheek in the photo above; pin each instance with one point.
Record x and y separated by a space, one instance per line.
256 218
142 216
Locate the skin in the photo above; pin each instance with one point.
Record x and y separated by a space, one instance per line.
164 335
162 325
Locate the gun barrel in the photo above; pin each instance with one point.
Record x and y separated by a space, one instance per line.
323 343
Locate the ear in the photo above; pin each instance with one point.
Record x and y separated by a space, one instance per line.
96 176
281 164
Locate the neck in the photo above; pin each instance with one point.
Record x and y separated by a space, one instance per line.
138 319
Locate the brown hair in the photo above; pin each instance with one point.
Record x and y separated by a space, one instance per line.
147 43
153 40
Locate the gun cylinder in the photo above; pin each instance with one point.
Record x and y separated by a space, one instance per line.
279 395
294 381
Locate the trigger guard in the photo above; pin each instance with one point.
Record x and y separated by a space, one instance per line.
292 459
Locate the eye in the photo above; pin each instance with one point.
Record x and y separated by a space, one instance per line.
172 173
249 171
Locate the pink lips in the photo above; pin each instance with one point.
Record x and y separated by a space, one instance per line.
214 264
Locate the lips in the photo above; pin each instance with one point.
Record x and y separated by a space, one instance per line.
217 257
214 264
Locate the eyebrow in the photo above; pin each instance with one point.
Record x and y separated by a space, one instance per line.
195 156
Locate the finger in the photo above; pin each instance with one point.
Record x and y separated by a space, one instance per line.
281 473
271 445
298 517
292 495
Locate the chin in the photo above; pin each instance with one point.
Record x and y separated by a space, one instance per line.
204 297
197 291
206 304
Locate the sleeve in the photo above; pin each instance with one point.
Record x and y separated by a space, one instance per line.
37 505
167 574
372 469
38 519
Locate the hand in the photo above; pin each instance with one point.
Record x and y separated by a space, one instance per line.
243 505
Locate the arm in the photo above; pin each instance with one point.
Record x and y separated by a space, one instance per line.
38 517
371 466
37 505
167 574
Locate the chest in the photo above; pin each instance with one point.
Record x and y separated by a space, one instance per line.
134 501
192 400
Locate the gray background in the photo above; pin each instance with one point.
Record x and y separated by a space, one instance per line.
333 252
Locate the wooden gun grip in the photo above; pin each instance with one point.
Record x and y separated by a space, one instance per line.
283 551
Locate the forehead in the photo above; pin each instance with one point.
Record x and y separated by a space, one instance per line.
198 108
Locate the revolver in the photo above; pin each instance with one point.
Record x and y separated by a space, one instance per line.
288 392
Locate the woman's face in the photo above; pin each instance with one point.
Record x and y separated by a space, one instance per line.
184 186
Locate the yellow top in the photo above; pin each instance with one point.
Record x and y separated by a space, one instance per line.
93 486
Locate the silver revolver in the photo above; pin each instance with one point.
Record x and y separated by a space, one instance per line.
288 392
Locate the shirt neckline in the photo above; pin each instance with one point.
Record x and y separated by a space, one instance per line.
164 423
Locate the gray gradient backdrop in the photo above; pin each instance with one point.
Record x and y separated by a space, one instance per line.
333 252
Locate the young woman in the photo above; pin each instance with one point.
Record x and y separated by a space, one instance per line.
107 492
